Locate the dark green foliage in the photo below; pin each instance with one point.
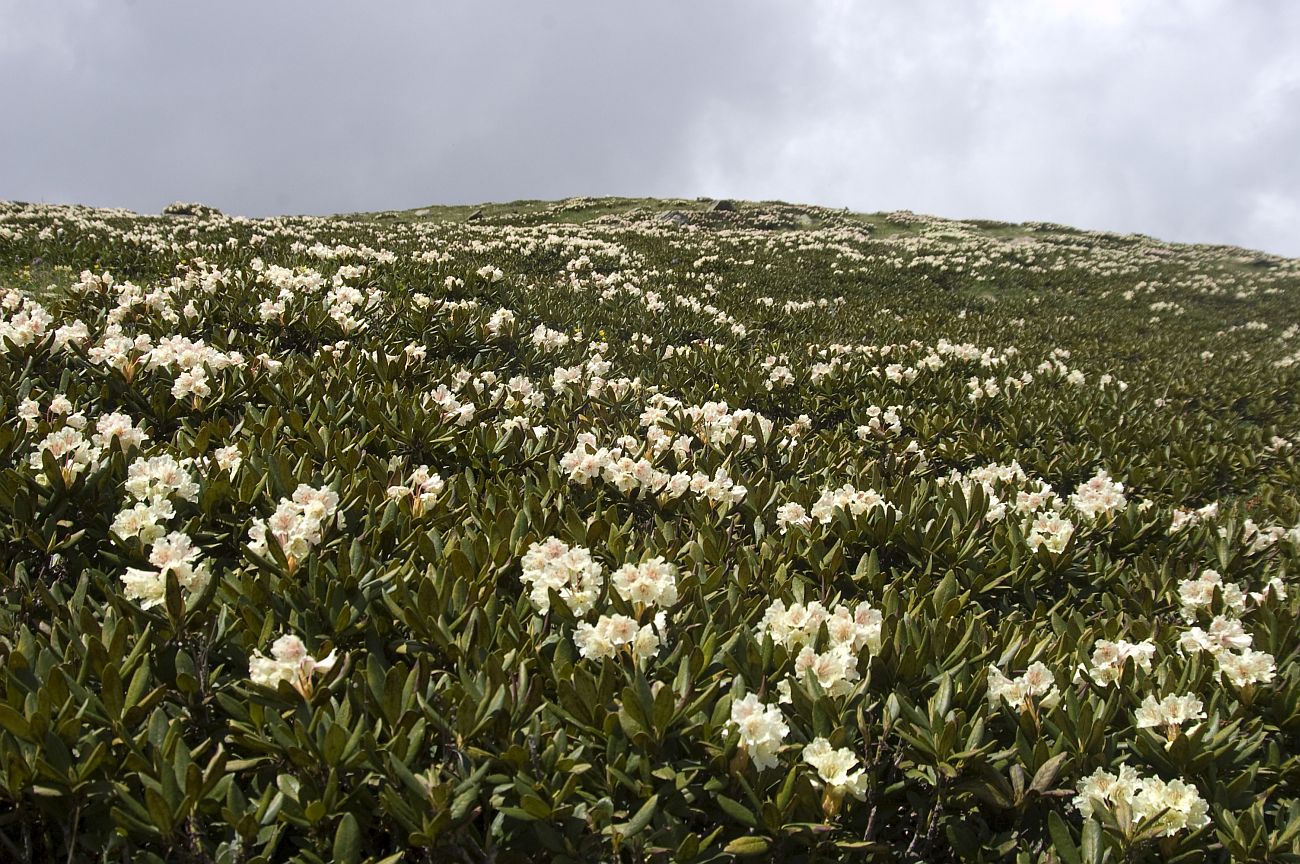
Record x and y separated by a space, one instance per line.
460 724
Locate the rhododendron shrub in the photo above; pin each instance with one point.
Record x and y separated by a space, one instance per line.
574 533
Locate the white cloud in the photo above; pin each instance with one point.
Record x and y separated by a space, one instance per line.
1176 120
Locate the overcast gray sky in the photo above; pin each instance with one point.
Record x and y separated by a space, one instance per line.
1176 119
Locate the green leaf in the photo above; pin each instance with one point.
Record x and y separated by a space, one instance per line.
1062 840
786 795
743 847
638 822
14 723
347 840
461 804
174 601
1046 774
737 811
1091 847
536 806
946 590
110 691
688 848
665 706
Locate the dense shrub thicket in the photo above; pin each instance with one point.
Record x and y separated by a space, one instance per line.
575 532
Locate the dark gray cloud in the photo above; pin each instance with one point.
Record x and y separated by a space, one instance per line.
1179 120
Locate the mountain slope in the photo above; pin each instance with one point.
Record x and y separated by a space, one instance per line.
617 529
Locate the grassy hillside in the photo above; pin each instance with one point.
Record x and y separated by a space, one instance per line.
620 529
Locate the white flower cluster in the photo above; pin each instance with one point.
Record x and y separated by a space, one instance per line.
588 460
520 424
819 372
1246 667
303 280
119 427
500 322
29 411
1051 530
566 377
761 729
191 359
546 339
72 451
119 351
343 300
611 633
792 514
1226 639
986 389
161 477
422 487
30 324
835 670
297 524
718 489
779 375
1005 488
898 373
1223 634
154 483
1040 499
881 423
799 624
846 498
1037 686
1108 658
716 424
570 572
1169 714
849 631
1098 497
519 394
1187 518
289 661
174 553
1156 805
273 310
575 577
835 768
1257 538
1196 594
650 583
449 406
794 431
1229 644
1055 367
229 458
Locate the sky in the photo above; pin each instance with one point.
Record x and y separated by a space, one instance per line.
1177 119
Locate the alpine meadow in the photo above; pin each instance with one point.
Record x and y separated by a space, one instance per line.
633 530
